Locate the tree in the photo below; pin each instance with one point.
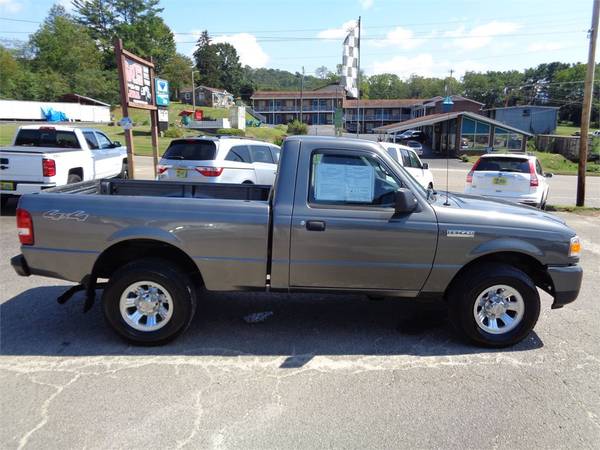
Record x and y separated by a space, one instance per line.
63 46
178 70
230 69
387 85
99 17
246 91
207 62
322 72
136 22
11 73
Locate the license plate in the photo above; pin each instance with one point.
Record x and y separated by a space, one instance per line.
7 185
500 180
181 173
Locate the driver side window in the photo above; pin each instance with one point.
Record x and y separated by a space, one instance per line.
339 178
103 141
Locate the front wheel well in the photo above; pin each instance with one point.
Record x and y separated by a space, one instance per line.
125 252
526 263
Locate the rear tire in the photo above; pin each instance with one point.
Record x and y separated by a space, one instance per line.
149 301
477 300
73 178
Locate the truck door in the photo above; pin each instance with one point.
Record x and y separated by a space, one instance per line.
345 233
107 158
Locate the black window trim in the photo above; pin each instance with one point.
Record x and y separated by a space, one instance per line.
342 205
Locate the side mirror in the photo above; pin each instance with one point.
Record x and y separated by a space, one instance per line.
116 144
549 175
425 166
405 201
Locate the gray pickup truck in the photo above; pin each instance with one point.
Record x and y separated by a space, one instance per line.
342 217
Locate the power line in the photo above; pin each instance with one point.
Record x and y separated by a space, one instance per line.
316 38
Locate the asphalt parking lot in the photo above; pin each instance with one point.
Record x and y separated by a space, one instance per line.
320 372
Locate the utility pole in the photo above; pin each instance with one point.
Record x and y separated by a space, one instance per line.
358 83
193 93
587 106
301 95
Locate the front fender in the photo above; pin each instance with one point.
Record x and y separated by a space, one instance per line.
513 245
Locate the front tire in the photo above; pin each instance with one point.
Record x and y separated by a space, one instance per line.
124 175
493 305
149 301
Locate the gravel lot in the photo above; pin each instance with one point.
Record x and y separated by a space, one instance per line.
322 371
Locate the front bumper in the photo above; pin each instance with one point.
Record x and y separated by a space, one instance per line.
567 282
20 265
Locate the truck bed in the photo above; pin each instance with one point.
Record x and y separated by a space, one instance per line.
177 189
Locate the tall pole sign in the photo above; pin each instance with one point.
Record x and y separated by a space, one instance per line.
136 81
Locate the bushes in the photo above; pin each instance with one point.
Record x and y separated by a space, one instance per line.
173 132
279 140
297 127
231 132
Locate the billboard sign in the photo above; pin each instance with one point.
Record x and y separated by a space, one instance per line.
161 88
139 87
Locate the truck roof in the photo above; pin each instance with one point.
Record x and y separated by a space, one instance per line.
331 139
56 127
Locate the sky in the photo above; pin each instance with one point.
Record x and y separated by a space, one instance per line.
423 37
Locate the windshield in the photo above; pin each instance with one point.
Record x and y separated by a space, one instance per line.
192 149
520 165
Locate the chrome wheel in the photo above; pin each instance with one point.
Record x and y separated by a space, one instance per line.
146 306
498 309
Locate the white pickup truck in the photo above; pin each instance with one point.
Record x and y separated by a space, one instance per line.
45 156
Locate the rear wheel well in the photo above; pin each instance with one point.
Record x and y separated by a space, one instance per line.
528 264
127 251
76 171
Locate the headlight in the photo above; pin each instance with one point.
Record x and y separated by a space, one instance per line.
574 246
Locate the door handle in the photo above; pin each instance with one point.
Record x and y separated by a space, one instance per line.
315 225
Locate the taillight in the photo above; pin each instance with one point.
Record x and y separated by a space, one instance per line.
533 182
470 174
24 227
48 167
161 169
210 171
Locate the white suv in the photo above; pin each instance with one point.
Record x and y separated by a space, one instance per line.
409 159
514 177
222 159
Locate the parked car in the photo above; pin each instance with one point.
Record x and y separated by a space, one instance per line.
415 135
408 159
416 146
343 218
46 156
517 178
225 159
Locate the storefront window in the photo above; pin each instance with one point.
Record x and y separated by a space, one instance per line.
475 134
501 137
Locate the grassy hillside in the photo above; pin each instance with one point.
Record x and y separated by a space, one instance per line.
141 133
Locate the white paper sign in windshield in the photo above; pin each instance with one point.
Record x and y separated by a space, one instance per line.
344 183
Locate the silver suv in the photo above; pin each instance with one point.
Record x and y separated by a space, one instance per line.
220 159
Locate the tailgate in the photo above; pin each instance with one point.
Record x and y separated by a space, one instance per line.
21 166
501 182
